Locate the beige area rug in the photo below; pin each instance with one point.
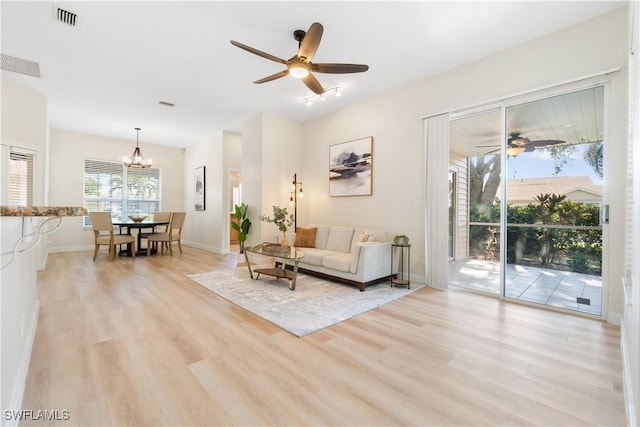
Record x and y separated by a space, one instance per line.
315 304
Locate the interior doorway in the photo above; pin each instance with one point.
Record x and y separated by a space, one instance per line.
235 198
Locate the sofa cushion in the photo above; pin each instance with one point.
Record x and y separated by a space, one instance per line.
340 262
322 235
340 239
305 237
314 256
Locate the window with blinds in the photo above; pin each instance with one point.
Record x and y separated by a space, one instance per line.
110 187
21 177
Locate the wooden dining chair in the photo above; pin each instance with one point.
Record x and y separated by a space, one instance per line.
159 217
104 235
173 234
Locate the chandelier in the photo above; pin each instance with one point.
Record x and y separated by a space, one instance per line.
136 160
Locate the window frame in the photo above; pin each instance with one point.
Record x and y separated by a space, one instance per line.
121 204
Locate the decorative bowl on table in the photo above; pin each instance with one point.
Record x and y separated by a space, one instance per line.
137 218
276 249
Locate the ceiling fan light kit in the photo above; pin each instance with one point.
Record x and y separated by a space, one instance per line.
299 70
300 65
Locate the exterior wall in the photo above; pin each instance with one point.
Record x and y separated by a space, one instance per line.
459 163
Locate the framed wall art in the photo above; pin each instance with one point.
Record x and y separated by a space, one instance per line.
199 187
350 168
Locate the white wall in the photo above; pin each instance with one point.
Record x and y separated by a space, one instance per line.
271 155
24 124
394 120
67 155
205 229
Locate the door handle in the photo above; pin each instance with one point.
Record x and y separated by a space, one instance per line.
604 214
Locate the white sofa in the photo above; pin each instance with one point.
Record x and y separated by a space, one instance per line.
340 254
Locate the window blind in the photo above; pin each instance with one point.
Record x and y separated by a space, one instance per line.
110 187
21 177
629 225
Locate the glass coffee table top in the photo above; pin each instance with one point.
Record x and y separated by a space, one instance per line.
282 254
277 251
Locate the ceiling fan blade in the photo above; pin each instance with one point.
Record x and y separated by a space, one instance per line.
311 41
339 68
259 52
273 77
544 143
313 84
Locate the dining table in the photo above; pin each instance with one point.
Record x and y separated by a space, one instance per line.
131 225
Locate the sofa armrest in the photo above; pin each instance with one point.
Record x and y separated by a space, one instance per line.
373 259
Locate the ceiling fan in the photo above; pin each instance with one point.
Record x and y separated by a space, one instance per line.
517 144
300 65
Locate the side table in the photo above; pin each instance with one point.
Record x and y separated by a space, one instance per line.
400 278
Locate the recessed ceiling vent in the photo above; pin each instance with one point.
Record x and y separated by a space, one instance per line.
19 65
65 16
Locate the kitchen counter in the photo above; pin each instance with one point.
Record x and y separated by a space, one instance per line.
48 211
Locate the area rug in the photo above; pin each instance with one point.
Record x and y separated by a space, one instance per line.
315 304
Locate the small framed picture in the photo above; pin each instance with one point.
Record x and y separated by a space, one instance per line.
199 187
350 168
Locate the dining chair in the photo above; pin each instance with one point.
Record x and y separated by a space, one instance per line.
104 235
159 217
173 234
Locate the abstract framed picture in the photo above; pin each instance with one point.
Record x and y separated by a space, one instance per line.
350 168
199 187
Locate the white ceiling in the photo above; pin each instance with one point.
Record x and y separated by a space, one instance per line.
106 75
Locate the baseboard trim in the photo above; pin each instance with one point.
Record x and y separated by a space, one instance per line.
18 390
203 247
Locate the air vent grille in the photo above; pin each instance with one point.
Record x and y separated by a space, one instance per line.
66 17
19 65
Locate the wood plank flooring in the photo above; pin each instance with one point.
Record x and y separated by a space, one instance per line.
134 342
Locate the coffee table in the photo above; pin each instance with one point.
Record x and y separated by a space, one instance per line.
282 255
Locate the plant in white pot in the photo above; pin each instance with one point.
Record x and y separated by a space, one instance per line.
282 219
241 224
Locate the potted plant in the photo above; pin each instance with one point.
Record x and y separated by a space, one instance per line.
282 219
241 225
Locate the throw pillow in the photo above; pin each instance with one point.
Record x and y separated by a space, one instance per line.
365 237
305 237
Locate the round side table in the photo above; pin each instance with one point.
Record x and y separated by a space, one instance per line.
403 276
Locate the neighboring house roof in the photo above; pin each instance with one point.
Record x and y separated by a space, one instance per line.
580 189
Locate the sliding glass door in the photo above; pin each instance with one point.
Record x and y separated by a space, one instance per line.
554 195
476 155
525 201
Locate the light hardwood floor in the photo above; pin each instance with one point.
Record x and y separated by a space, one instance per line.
134 342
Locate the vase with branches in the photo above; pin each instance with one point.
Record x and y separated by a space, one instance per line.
282 219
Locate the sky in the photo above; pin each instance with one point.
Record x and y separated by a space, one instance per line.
539 164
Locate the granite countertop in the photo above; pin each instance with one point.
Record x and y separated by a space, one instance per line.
43 211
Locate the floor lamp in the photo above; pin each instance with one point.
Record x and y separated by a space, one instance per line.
296 193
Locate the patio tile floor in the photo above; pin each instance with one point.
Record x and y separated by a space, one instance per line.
533 284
